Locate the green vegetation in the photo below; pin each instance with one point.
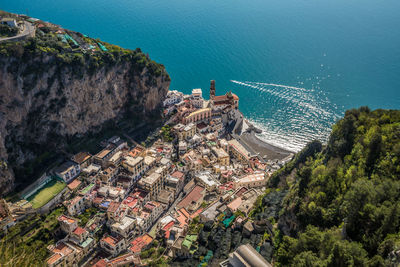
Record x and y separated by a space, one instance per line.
79 53
166 133
7 31
154 255
345 198
336 205
26 243
48 192
85 216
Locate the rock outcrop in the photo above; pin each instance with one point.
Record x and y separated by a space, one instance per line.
46 96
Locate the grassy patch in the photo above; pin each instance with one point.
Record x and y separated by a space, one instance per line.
49 191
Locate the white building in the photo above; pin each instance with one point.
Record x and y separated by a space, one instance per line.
254 180
173 97
124 227
197 98
68 171
76 205
113 245
206 180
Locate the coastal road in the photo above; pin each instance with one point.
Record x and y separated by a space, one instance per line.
29 30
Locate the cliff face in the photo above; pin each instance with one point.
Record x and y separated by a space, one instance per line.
45 97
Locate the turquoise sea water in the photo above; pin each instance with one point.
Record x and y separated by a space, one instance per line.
296 65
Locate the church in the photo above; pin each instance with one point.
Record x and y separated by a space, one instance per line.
223 102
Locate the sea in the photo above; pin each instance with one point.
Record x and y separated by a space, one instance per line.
297 65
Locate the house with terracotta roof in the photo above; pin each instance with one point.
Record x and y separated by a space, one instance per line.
113 244
104 155
74 185
79 235
125 260
113 210
64 254
82 158
193 200
155 209
101 263
67 224
140 243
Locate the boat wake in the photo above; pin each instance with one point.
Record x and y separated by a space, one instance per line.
290 116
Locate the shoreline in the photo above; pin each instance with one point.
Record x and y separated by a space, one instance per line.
266 150
245 132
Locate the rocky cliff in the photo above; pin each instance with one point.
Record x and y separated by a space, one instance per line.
50 91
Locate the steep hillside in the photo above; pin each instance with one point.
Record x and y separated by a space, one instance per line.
53 88
342 208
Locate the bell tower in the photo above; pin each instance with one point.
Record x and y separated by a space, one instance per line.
212 89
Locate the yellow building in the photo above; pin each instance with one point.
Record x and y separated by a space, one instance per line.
134 165
222 156
239 151
185 132
198 115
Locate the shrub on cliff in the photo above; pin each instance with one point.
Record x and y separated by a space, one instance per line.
349 193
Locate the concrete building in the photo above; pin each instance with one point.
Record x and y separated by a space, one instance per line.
197 98
135 165
239 151
124 227
175 182
254 180
245 256
173 97
184 132
165 197
76 205
206 180
198 115
182 147
113 244
108 175
104 155
67 224
222 156
155 209
149 162
82 158
68 171
193 200
152 183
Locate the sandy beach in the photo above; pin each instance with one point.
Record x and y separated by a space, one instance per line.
267 151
